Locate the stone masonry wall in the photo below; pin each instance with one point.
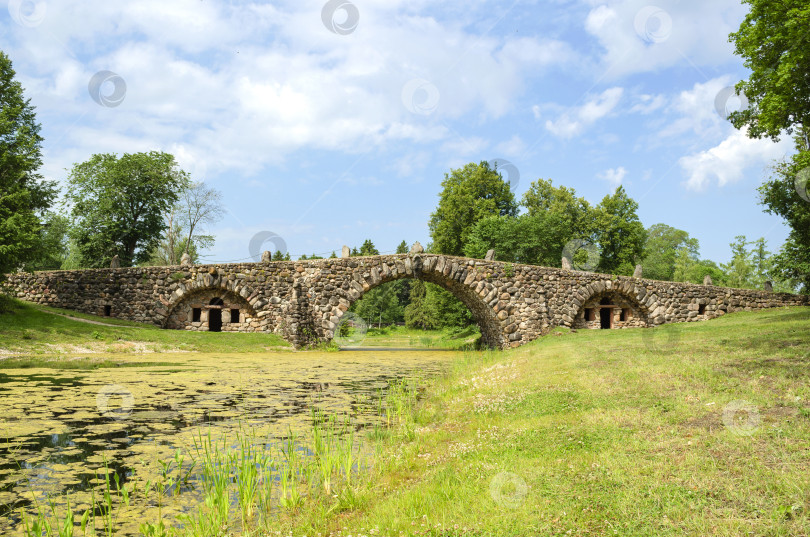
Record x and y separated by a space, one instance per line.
304 301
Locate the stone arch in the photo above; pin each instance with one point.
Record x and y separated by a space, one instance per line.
622 295
439 270
208 296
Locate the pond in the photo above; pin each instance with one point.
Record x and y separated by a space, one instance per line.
60 428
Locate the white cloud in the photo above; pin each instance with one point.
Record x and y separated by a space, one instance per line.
696 110
637 37
512 147
245 86
728 160
614 176
648 103
572 122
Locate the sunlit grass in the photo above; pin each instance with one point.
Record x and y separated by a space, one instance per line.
38 330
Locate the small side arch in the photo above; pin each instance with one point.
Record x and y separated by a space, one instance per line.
612 304
191 309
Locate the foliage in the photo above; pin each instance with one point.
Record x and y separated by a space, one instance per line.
380 305
468 195
403 248
780 196
53 249
169 251
750 268
368 248
420 313
772 40
23 196
118 205
662 248
569 212
619 233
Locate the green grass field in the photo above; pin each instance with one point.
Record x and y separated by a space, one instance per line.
38 330
693 429
685 429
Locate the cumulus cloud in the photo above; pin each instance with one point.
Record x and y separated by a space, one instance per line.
613 176
636 37
727 161
572 122
243 85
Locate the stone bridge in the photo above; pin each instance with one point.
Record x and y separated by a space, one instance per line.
304 301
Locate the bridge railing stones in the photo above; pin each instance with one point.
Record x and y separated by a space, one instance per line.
303 301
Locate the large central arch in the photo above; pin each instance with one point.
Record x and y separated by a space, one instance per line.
446 274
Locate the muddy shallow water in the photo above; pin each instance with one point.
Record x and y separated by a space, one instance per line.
59 426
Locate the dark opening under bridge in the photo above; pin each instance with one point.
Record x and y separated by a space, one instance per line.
304 301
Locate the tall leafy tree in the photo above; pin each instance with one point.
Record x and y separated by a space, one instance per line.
780 195
661 249
402 248
23 195
619 232
772 40
561 204
554 216
118 204
53 249
468 195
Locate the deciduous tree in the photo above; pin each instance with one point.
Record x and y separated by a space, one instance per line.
118 204
23 195
468 195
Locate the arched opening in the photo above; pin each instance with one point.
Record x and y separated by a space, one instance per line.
211 309
611 309
408 313
482 314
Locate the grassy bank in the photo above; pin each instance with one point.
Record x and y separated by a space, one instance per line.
404 338
698 429
38 330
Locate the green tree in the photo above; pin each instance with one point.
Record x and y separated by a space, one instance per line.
420 313
53 247
554 216
780 195
619 233
663 246
368 248
118 205
772 40
569 211
468 195
380 305
23 195
403 248
740 269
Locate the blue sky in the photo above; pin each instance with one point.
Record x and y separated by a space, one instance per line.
329 123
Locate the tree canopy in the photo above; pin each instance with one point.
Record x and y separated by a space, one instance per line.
773 42
468 195
23 195
118 205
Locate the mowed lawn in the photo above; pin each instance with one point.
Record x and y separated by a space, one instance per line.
689 429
